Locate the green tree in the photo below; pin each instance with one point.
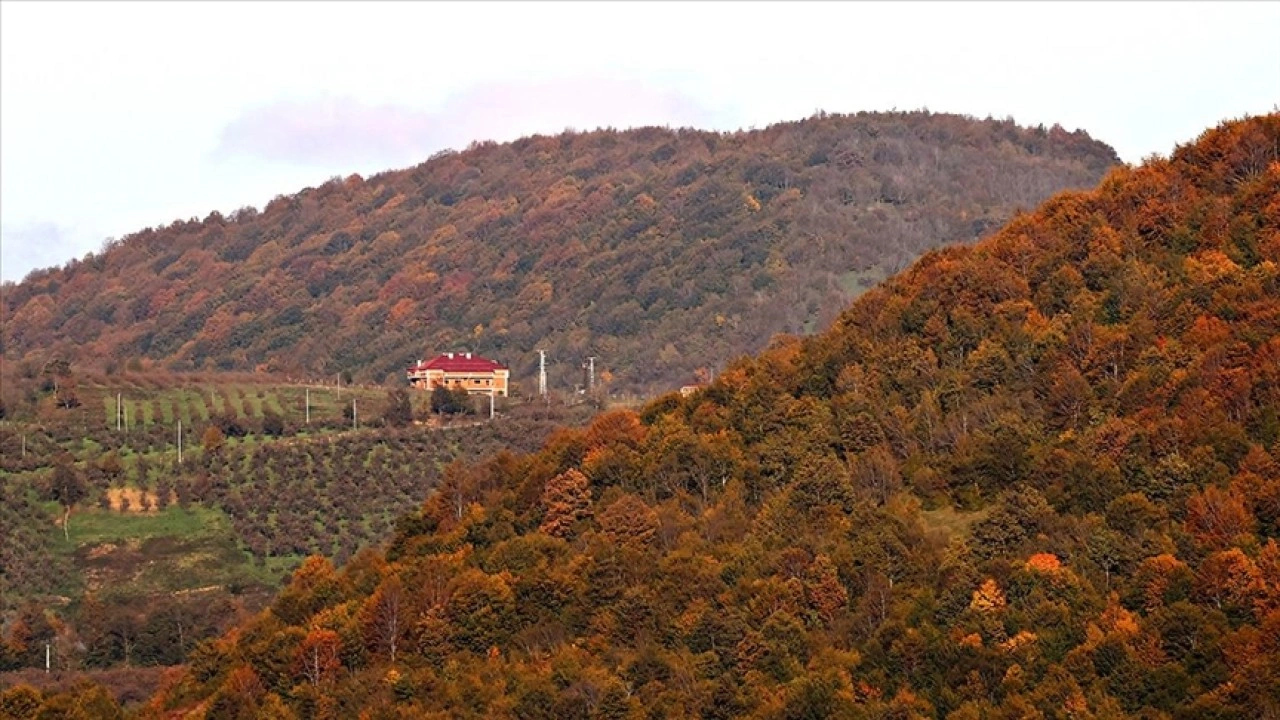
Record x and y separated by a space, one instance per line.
272 423
399 412
446 401
68 488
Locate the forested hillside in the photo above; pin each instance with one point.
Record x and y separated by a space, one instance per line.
659 251
1031 478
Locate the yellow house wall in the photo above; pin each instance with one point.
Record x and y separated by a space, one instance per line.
479 383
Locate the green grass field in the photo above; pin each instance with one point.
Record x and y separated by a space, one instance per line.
950 521
856 282
91 526
172 550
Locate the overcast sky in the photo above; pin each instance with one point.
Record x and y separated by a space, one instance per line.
119 116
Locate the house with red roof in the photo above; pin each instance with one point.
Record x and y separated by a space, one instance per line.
477 375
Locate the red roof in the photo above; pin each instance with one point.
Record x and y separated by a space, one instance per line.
459 362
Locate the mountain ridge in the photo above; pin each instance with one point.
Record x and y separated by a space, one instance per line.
661 250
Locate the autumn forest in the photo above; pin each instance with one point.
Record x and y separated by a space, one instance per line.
660 251
994 432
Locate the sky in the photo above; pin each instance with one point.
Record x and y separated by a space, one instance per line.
115 117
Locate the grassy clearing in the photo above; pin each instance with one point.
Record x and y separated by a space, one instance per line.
856 282
94 526
950 521
176 550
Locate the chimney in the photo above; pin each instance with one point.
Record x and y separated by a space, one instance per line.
468 356
450 355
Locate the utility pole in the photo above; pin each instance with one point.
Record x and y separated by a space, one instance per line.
24 446
355 424
591 374
308 406
117 412
491 394
47 657
179 442
542 373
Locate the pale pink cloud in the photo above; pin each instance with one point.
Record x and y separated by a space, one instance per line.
325 132
28 246
346 131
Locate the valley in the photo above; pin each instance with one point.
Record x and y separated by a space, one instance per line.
158 553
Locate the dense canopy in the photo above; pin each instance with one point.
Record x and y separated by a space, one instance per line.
1031 477
659 251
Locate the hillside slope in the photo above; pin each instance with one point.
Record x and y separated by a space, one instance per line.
1086 404
658 251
